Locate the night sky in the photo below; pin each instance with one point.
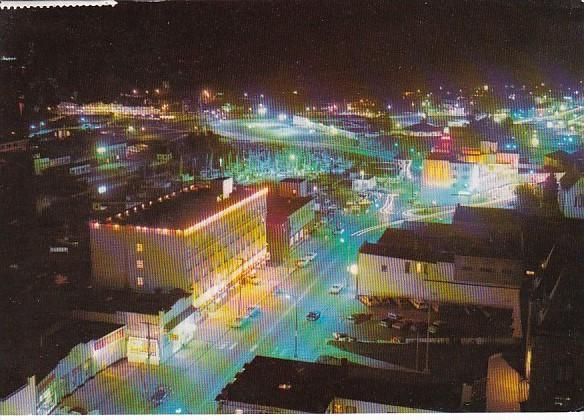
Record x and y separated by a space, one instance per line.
323 48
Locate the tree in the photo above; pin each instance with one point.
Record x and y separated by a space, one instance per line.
550 204
528 201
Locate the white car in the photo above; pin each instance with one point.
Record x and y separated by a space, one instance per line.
302 262
311 256
253 310
240 321
336 289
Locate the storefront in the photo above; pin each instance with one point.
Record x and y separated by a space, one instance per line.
138 349
47 391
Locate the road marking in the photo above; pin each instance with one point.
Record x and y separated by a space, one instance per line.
232 346
253 348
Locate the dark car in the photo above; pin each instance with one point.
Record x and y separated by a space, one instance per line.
419 327
313 315
357 318
401 325
394 316
159 396
387 322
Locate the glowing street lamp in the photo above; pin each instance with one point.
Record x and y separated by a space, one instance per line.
289 296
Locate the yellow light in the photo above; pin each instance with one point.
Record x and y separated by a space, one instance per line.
354 269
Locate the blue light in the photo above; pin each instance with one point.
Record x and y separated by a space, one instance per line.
32 127
82 119
178 410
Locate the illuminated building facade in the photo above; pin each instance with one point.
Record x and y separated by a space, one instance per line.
468 175
193 239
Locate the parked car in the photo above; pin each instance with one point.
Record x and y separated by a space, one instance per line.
359 317
433 329
343 337
253 310
394 316
78 411
302 262
419 327
240 321
159 396
387 322
313 315
336 289
401 325
310 256
419 304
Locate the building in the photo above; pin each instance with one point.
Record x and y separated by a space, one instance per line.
571 195
156 323
289 221
112 152
469 175
554 340
293 187
65 357
49 160
14 146
192 239
363 184
295 387
423 129
443 263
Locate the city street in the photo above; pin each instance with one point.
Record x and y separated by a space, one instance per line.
198 372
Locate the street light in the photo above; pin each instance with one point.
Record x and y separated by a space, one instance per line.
288 296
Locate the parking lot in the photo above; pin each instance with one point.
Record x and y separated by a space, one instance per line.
448 321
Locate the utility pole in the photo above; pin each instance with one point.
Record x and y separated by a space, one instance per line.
426 370
296 329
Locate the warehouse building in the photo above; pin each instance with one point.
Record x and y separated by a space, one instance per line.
198 239
294 387
440 263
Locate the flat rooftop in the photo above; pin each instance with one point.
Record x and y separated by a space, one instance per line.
280 208
433 242
111 301
310 387
181 209
42 356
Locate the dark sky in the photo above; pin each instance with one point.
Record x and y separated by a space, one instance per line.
324 48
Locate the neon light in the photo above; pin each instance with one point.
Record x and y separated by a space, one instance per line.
222 213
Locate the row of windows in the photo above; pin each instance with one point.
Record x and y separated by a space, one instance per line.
419 268
486 270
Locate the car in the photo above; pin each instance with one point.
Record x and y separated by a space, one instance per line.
394 316
401 325
239 322
419 327
302 262
159 396
419 304
342 337
358 317
387 322
336 289
78 411
310 256
253 310
313 315
433 329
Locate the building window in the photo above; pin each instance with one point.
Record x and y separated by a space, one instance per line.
418 268
384 268
426 269
407 267
350 409
139 247
140 281
140 264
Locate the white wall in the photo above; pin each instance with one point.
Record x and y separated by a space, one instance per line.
20 402
572 201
